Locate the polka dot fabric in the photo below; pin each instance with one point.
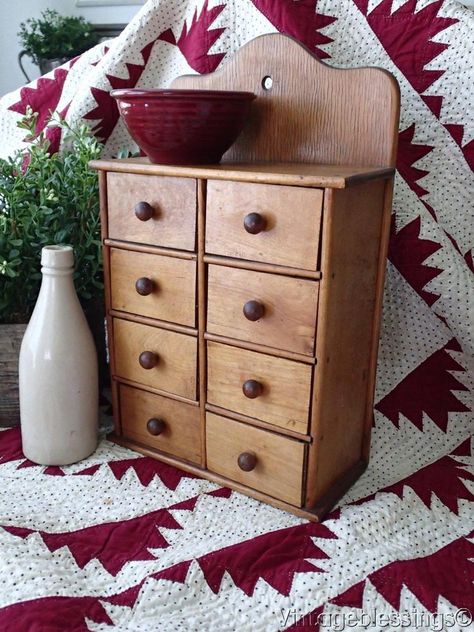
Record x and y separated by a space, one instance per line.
122 542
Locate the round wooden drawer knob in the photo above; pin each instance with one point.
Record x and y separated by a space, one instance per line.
148 359
253 310
155 426
252 389
247 461
254 223
144 286
143 211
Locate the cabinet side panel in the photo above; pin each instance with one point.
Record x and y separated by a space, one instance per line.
202 315
104 228
348 308
382 263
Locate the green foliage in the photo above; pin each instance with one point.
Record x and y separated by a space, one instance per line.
48 199
54 36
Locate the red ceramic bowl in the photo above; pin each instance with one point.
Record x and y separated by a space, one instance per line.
183 126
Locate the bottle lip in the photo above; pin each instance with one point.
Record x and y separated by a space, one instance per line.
58 257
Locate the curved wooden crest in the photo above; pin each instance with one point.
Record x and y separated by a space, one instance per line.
313 112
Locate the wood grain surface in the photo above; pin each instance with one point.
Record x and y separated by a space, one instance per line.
181 435
10 342
347 306
286 386
292 219
279 468
173 295
285 173
173 224
202 312
243 264
290 308
177 353
313 113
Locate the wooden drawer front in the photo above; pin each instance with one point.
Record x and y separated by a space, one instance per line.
180 435
173 223
173 289
290 306
292 223
175 370
279 467
285 386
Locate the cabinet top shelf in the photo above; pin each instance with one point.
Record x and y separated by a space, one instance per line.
295 174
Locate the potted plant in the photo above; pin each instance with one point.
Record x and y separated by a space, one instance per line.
53 39
46 199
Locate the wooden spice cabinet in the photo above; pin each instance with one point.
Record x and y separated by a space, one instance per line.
243 299
276 402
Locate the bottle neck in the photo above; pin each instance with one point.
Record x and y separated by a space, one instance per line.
48 272
57 281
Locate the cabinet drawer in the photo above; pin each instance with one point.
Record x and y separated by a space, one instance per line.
291 216
279 461
289 308
272 389
166 287
173 210
161 423
171 357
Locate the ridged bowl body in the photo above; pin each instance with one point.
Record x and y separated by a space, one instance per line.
184 126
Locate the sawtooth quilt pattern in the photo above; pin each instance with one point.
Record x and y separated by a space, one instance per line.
123 542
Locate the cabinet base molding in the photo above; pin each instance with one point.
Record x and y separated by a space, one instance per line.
317 514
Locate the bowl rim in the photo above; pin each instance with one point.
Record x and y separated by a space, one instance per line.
170 93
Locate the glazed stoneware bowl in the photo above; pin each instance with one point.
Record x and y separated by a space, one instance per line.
183 126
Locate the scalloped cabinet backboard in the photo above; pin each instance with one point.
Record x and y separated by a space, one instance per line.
307 111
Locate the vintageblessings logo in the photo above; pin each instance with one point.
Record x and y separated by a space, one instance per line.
376 620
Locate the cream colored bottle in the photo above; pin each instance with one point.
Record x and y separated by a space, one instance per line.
58 370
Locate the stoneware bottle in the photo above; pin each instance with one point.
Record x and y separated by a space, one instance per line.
58 370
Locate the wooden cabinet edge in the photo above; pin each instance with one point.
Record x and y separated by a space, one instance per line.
107 296
319 484
381 271
154 322
150 249
155 391
201 295
237 172
257 423
253 346
245 264
334 494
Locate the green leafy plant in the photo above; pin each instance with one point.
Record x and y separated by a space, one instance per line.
46 199
55 36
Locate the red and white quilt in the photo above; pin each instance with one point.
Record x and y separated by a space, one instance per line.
122 542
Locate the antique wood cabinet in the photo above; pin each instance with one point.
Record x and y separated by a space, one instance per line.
244 299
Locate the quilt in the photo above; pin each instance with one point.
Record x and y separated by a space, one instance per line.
122 542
